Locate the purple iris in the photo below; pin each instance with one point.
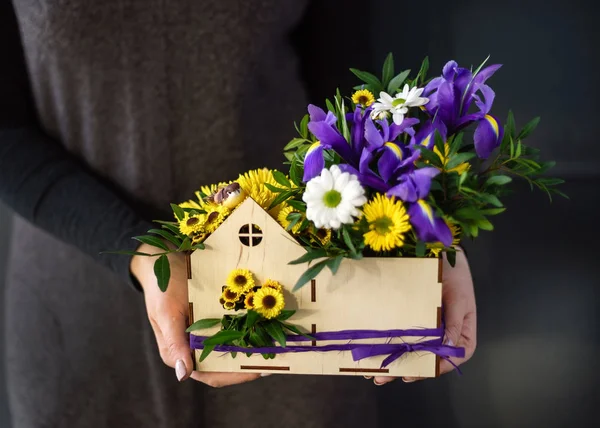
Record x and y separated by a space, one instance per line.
451 96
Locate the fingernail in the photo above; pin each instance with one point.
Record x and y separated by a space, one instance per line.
368 377
377 383
408 379
180 370
265 374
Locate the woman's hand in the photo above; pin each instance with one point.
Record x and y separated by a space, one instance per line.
168 313
458 297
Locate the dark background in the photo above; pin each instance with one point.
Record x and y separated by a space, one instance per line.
537 275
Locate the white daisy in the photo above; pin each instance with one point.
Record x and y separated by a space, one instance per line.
398 105
332 198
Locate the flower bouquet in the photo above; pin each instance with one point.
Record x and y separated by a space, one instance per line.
377 190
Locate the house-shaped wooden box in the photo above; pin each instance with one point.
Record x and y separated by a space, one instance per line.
372 293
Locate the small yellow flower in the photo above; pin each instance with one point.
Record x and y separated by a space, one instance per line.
388 222
270 283
322 235
436 248
283 221
446 158
240 280
229 305
215 215
253 185
363 97
191 225
268 302
249 301
191 204
198 237
230 295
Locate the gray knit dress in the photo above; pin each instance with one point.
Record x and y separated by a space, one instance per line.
158 97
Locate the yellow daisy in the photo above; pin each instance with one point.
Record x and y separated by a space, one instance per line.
446 158
191 204
229 305
283 221
240 280
198 237
436 247
230 295
249 301
253 184
363 97
270 283
268 302
322 235
191 225
215 215
388 221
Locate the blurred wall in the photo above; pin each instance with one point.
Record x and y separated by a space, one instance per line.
5 220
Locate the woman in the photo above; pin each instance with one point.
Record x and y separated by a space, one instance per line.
130 105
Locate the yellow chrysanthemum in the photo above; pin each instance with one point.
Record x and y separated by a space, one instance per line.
282 218
240 280
209 190
322 235
191 204
229 305
268 302
253 184
436 247
460 168
388 221
249 301
198 237
363 97
271 283
191 225
230 295
215 215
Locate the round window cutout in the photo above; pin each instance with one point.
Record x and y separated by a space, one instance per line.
250 235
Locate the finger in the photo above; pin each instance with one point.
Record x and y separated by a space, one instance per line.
412 379
382 380
454 313
467 340
175 348
220 380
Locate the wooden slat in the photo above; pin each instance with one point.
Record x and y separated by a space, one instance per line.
188 264
313 330
313 290
440 269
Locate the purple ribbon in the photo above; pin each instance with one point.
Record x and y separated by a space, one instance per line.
359 350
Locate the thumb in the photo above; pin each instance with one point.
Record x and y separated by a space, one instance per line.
175 349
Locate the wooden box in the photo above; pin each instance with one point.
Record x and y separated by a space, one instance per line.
367 294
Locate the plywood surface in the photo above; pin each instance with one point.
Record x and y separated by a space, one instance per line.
373 293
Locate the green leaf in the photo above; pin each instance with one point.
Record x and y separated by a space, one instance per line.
420 249
186 245
439 142
251 318
297 331
397 81
203 323
281 198
198 246
162 270
206 352
276 332
368 78
281 178
518 149
430 156
512 148
273 188
493 211
451 256
296 142
422 74
153 241
510 127
462 178
179 213
223 337
169 237
330 106
498 180
304 126
309 274
334 263
468 213
491 199
484 224
458 159
309 256
296 172
348 240
550 181
285 314
456 143
388 69
297 205
528 129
